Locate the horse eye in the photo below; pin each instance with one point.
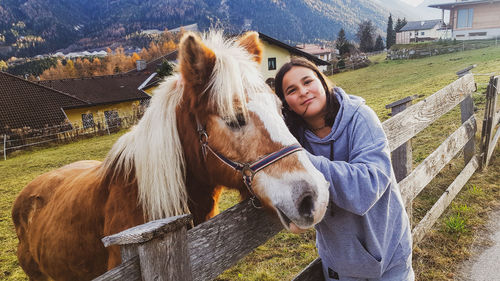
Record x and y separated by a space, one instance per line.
238 123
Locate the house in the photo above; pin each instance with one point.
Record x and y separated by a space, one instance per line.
473 19
320 52
420 31
276 53
25 104
107 99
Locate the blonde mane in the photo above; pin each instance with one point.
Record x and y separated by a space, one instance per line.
153 150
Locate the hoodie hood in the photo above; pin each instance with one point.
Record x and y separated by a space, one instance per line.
349 105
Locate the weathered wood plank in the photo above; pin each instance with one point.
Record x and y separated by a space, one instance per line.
402 101
435 212
127 271
466 111
145 232
492 146
491 119
166 258
313 272
402 156
402 127
412 185
219 243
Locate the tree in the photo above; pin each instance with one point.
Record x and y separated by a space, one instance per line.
342 44
400 23
3 65
165 69
366 35
379 44
391 34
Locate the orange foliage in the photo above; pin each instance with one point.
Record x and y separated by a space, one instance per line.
115 62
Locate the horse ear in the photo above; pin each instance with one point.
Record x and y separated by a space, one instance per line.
196 61
251 42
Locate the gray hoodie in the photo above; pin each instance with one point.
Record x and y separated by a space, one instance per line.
365 231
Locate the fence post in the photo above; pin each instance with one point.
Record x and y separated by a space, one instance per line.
401 157
4 147
161 246
489 119
466 111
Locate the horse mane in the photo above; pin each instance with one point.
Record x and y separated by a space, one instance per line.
151 152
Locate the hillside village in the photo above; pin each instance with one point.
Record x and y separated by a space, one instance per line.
68 96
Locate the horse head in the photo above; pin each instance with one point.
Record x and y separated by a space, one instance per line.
234 134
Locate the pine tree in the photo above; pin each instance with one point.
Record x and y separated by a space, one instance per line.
366 35
391 34
342 44
379 44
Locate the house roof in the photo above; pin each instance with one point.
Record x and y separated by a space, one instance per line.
314 49
154 64
28 104
292 50
421 25
448 6
103 89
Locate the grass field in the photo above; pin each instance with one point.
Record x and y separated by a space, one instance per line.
435 258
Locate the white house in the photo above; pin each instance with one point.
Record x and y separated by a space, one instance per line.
473 19
419 31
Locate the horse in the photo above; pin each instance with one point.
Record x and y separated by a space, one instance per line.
213 124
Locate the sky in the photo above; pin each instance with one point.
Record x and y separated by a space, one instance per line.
413 2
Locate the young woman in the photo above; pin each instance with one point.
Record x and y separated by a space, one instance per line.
365 234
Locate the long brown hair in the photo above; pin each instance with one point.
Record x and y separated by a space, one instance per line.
292 119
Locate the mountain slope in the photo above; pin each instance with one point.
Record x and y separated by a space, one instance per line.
36 26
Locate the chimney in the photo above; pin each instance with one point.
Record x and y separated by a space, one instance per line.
140 64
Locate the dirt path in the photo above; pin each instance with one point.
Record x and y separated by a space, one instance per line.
485 262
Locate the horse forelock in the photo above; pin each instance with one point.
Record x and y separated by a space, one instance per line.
151 153
235 76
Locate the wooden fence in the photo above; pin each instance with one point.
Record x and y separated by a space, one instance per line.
491 119
166 250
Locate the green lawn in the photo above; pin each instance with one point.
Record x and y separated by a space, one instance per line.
286 254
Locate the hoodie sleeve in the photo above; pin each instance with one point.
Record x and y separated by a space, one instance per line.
357 184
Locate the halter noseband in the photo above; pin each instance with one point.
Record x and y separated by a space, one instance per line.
247 170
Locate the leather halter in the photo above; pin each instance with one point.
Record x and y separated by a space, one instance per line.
247 170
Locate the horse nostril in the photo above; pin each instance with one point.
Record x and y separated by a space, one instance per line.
306 206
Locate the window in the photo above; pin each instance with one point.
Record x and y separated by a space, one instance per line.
270 82
88 120
478 33
464 18
271 64
112 118
422 33
410 33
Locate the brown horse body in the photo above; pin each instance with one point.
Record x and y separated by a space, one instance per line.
158 169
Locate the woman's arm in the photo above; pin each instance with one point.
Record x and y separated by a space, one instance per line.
357 184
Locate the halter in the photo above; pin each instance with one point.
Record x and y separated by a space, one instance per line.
247 170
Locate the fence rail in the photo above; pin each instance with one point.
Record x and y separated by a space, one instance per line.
23 138
216 245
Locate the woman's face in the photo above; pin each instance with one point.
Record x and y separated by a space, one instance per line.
304 92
